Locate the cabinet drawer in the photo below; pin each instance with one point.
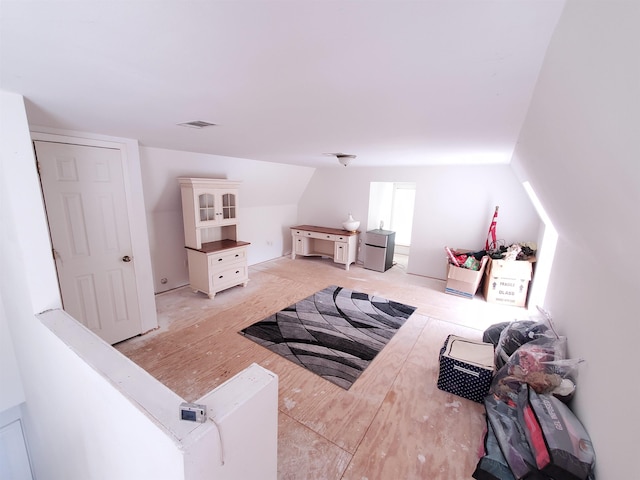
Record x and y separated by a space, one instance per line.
225 258
231 276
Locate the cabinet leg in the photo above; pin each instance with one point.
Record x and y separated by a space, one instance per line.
245 283
346 267
293 255
211 295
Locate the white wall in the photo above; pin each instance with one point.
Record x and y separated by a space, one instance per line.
54 379
89 412
454 207
11 393
579 149
269 196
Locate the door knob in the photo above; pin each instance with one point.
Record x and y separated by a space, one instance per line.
126 258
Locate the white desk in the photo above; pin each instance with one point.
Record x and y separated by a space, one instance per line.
310 240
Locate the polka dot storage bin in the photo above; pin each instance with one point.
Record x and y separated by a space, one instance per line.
466 368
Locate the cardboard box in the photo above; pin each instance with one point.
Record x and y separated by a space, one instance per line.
507 281
462 281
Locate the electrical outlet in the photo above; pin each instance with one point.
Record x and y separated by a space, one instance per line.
192 412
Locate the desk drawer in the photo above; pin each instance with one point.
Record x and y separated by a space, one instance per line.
310 234
320 236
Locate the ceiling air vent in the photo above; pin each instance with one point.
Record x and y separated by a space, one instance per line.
197 124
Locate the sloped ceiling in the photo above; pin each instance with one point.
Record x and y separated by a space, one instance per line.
393 82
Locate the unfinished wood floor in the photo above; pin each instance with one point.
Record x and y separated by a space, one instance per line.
393 423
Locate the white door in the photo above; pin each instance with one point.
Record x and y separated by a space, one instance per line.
85 199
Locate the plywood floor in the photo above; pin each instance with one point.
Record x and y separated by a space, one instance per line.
393 423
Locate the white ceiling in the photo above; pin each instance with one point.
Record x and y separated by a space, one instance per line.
393 82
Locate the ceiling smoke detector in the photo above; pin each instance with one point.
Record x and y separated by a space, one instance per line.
197 124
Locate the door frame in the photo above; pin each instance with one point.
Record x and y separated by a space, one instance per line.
135 209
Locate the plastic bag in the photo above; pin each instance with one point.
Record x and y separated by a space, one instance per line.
492 334
558 441
511 437
543 365
520 332
492 465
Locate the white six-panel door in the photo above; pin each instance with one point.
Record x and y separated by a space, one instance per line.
84 195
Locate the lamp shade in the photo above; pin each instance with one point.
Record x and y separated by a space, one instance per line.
345 159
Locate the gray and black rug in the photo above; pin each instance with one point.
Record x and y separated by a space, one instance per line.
335 332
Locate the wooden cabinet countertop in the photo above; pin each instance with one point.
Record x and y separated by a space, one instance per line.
219 245
330 231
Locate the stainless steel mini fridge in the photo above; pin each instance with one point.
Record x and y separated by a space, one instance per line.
378 249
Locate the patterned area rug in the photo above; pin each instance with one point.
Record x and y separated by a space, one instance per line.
335 332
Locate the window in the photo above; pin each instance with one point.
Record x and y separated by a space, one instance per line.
403 200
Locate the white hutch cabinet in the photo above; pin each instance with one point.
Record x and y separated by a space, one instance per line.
217 259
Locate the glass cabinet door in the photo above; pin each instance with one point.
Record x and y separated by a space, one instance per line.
228 206
206 203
